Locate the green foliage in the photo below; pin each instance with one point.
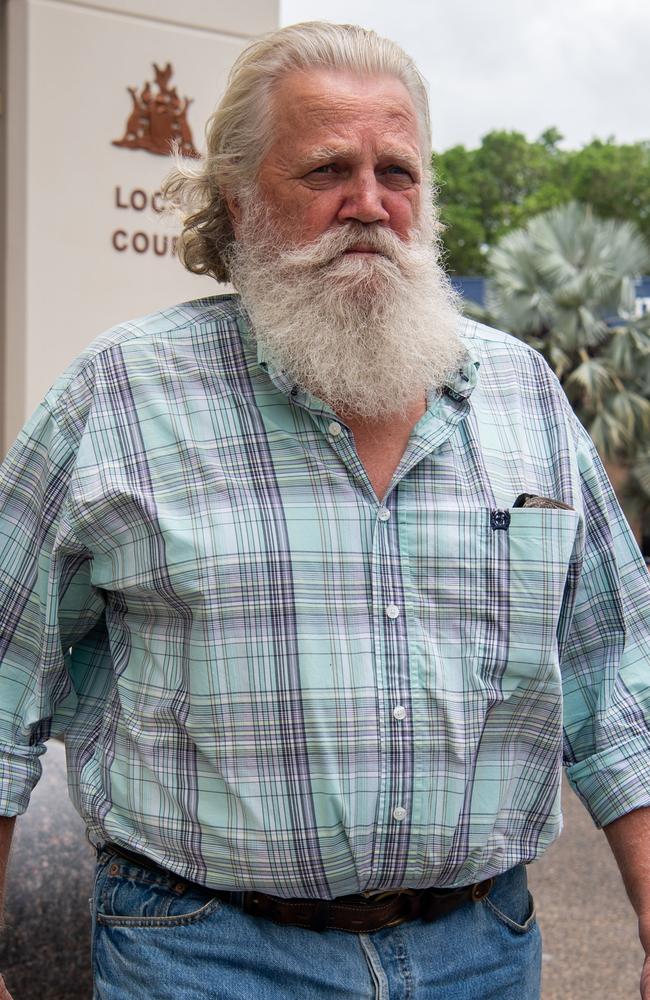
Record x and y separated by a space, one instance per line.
497 188
552 284
614 180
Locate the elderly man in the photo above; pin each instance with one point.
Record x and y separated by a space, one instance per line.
321 583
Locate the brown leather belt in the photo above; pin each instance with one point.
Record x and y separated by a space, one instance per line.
362 914
357 914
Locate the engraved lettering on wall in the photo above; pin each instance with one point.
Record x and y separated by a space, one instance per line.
140 241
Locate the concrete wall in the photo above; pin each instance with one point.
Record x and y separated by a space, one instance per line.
85 246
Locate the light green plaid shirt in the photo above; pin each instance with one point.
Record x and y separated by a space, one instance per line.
269 678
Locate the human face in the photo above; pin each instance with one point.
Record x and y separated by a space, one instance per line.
346 148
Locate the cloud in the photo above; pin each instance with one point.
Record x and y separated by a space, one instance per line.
515 64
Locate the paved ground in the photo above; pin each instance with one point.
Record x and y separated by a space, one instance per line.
591 950
590 946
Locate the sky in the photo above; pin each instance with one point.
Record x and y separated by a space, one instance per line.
582 66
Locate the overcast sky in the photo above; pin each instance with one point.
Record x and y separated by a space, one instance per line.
581 65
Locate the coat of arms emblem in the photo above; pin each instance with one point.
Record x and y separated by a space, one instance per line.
158 118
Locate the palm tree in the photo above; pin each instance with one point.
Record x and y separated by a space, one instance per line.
565 284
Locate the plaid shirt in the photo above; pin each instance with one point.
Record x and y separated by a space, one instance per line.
267 677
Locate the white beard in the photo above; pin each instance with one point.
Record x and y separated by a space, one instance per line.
370 334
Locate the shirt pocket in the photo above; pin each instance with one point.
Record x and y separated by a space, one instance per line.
526 570
490 588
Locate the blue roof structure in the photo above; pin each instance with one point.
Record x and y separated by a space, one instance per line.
472 288
643 295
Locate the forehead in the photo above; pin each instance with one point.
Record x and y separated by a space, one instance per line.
320 107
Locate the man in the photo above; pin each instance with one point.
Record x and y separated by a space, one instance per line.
321 584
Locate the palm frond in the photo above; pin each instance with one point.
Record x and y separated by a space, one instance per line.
590 380
608 435
558 283
628 350
640 472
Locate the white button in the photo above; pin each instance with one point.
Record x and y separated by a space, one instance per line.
399 813
383 513
334 429
399 712
392 611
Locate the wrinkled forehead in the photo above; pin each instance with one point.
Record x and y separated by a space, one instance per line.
323 107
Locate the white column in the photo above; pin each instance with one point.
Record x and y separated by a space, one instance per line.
85 244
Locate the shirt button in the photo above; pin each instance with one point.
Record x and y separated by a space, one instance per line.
399 712
383 513
392 611
334 429
399 813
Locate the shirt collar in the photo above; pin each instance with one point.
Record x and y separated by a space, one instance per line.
462 382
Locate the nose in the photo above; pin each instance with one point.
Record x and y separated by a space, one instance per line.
363 200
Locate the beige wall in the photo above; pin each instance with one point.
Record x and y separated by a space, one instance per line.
74 262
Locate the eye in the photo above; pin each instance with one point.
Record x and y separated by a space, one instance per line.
401 174
397 177
326 168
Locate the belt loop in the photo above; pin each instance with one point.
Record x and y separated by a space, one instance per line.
481 889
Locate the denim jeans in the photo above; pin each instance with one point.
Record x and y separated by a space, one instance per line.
155 939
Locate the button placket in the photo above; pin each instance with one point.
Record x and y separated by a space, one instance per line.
389 604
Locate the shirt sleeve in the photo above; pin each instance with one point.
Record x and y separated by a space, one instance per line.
605 657
47 602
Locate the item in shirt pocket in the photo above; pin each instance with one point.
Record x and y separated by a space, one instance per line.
531 500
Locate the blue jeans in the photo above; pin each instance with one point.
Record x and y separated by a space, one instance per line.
154 941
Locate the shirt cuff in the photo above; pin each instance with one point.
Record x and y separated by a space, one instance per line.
20 769
615 781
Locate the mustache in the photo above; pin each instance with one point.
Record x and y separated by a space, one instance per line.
336 242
